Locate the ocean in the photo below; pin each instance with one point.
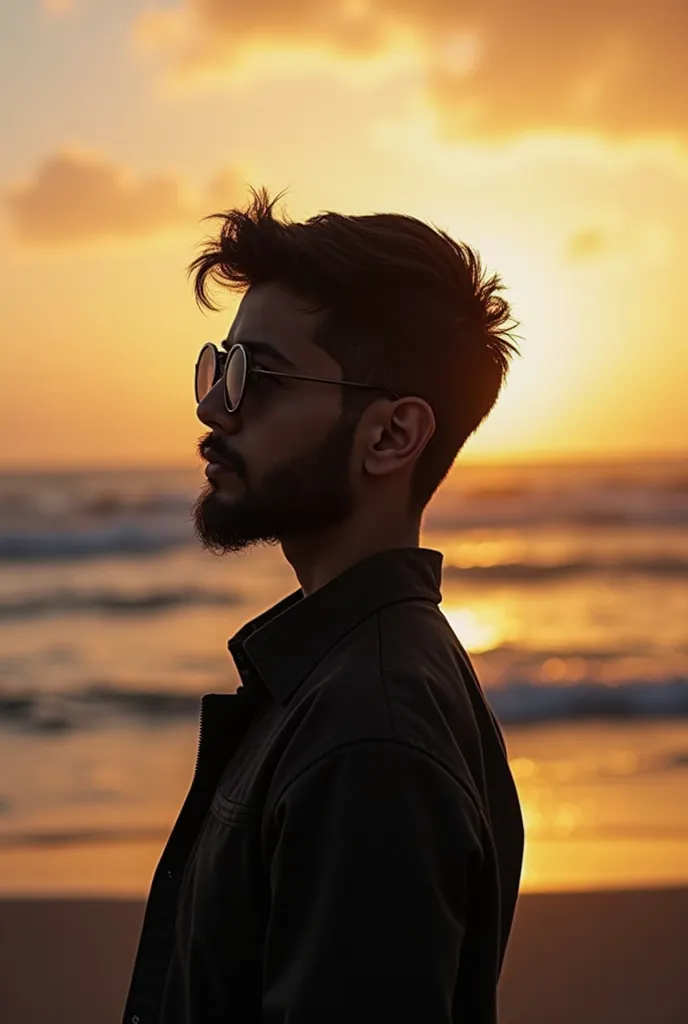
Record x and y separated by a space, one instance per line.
567 584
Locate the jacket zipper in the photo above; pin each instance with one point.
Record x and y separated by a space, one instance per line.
200 735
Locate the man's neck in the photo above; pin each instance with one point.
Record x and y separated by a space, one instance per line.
319 559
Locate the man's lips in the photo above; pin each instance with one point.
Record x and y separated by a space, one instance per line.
217 471
218 466
211 455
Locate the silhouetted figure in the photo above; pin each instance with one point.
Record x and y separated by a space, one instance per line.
350 849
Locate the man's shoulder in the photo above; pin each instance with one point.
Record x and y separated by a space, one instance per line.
394 678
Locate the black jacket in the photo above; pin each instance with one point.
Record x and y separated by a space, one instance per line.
350 849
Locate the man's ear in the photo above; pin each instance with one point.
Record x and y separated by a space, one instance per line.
398 435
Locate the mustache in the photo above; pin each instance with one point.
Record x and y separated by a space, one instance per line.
214 449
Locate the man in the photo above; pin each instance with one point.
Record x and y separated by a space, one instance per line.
350 848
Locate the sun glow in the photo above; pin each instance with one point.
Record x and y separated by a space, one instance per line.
477 631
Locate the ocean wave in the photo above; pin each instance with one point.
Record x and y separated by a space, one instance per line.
62 602
54 521
18 839
533 572
69 837
516 703
147 703
92 706
129 539
643 490
529 703
556 514
115 601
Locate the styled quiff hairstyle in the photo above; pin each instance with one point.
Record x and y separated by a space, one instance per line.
405 307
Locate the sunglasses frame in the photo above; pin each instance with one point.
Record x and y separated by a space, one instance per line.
221 363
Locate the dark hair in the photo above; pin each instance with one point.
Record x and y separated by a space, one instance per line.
406 307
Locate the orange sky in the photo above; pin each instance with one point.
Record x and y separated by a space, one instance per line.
553 141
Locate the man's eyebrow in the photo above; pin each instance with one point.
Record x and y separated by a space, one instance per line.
263 348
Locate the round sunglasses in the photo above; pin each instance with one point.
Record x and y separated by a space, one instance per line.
235 366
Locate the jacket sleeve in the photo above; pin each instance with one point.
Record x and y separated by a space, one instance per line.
374 847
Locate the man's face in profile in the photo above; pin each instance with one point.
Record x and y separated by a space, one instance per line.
280 466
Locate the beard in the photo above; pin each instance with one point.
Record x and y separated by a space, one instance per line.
307 495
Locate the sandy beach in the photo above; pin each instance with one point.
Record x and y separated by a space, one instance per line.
598 958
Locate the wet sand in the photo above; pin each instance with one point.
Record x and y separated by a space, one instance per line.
588 958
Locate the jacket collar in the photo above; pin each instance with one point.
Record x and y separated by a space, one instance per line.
284 643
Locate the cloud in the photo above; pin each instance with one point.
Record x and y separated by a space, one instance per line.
210 33
77 197
617 67
493 69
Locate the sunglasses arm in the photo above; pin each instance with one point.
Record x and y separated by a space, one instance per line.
321 380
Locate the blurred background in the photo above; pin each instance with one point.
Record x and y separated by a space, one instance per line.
554 144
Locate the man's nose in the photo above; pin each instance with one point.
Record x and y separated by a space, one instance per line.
212 411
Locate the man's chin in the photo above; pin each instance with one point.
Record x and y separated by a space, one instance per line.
223 526
215 502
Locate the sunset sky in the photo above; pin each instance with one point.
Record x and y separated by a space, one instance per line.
554 138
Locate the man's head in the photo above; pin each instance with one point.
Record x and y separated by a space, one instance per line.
381 299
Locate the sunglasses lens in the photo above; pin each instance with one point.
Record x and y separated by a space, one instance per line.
206 369
235 378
